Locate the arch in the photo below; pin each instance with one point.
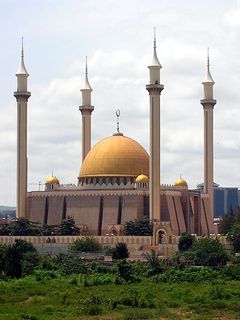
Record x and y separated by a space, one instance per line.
161 236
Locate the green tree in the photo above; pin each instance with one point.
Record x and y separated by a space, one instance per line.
24 227
13 266
185 241
138 227
154 262
4 229
125 270
68 227
20 257
234 237
120 251
207 252
2 258
229 220
86 244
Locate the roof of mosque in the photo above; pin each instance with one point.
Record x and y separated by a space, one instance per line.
116 156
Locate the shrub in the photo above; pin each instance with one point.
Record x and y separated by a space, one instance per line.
192 274
234 237
68 227
87 244
208 252
69 264
125 270
185 241
102 279
120 251
139 227
154 262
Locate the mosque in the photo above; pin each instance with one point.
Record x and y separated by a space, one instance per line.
118 180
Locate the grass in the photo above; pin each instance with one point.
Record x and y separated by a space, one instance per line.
62 298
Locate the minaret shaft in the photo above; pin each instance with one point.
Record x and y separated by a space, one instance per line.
86 130
21 156
208 153
154 186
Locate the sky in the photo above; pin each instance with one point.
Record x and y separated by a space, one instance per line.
117 37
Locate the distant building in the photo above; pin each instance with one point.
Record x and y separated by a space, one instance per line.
225 199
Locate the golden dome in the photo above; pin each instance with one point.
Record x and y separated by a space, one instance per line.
180 182
52 180
115 156
142 179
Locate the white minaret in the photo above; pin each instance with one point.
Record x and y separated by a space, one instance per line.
21 95
86 109
208 104
154 88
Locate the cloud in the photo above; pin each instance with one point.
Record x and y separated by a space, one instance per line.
117 39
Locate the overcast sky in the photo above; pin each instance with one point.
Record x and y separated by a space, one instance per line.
117 37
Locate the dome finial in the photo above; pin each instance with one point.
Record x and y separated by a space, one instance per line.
208 63
86 85
118 133
86 71
155 62
208 78
22 69
118 116
22 53
154 41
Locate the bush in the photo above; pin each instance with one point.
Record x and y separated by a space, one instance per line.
69 264
120 251
154 262
125 271
185 241
68 227
192 274
139 227
97 279
234 237
18 259
230 272
208 252
87 244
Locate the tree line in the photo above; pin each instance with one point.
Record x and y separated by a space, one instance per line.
24 227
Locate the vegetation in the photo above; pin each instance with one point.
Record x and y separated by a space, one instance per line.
87 244
120 251
234 237
186 241
229 220
17 259
204 252
71 298
139 227
68 227
230 226
24 227
68 287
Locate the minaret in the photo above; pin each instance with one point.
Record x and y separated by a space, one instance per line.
86 109
208 104
154 88
21 95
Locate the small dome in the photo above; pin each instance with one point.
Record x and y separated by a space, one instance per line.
180 183
52 180
142 178
115 156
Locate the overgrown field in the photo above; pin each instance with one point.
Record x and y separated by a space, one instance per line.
72 298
